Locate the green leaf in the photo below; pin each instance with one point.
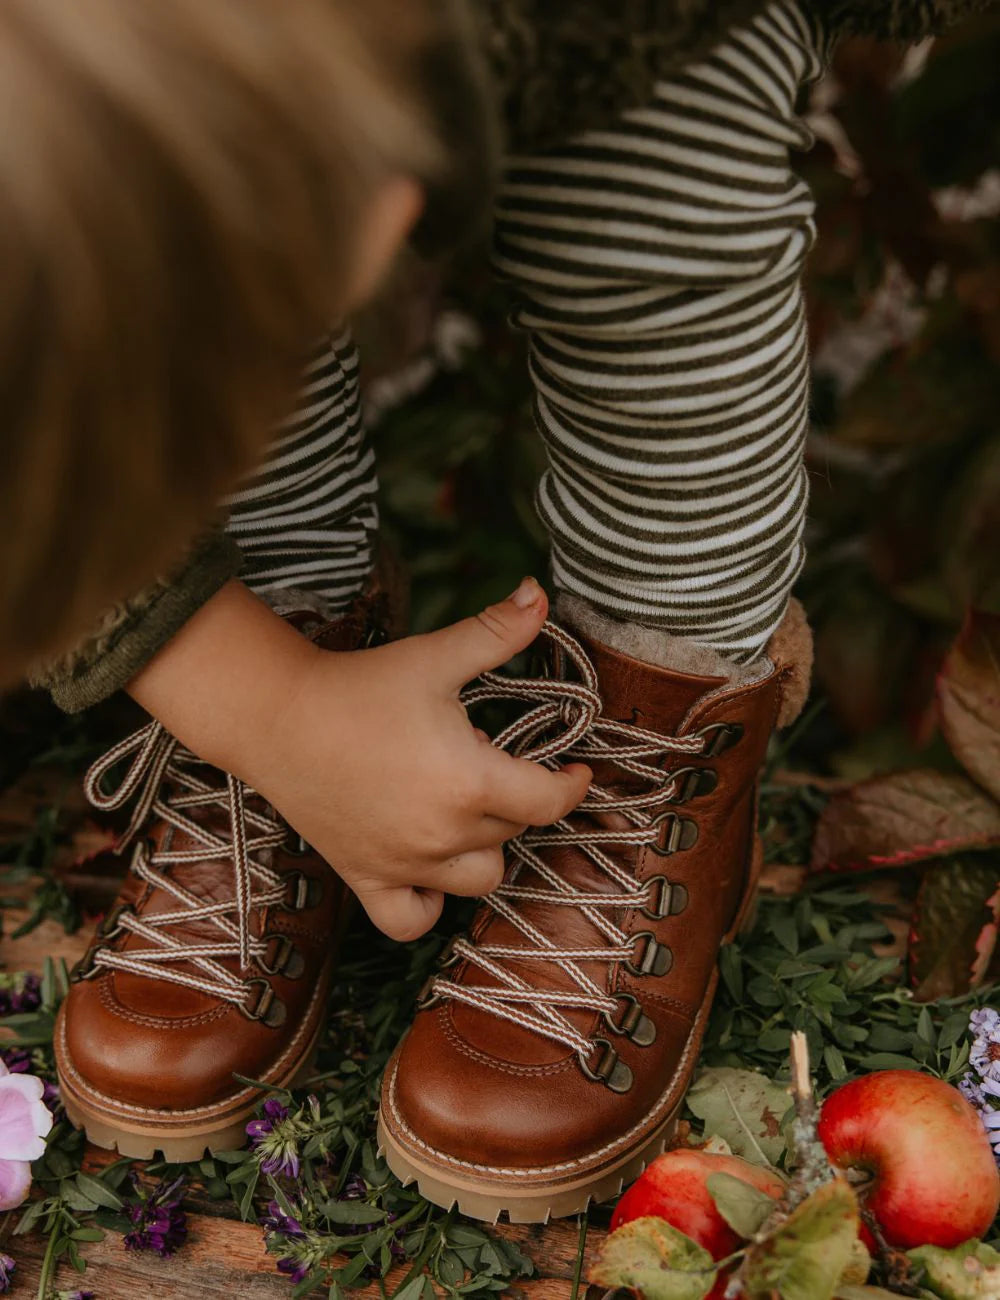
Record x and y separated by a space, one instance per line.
96 1191
413 1290
654 1258
731 970
806 1257
352 1212
743 1207
849 1291
87 1234
743 1107
31 1216
969 1272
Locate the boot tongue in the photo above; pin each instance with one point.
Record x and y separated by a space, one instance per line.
643 694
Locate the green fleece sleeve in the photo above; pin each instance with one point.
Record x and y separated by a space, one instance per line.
902 20
130 633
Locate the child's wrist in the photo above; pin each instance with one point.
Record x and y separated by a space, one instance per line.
225 682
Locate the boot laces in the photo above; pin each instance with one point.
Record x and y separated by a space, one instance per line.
566 722
157 759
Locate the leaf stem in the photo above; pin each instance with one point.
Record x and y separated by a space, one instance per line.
48 1260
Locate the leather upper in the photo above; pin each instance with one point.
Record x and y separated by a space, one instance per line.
478 1090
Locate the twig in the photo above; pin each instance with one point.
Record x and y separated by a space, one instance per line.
809 1159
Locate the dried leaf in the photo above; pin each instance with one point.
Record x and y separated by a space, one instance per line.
743 1107
969 699
969 1272
656 1260
743 1207
954 931
907 817
808 1255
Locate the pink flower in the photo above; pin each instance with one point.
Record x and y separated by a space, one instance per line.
24 1122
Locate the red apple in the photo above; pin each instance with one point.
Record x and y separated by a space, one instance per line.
934 1179
674 1187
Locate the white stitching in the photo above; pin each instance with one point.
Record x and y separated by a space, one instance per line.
666 1099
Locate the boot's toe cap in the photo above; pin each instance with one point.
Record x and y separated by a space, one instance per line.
165 1062
458 1106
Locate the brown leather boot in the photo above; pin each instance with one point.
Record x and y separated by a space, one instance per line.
218 955
552 1052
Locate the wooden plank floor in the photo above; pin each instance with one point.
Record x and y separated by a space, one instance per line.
223 1256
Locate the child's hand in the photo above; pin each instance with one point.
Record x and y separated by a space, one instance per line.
369 755
378 767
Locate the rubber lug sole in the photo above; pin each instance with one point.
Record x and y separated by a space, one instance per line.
486 1201
178 1144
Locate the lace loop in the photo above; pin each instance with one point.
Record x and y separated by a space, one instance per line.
157 759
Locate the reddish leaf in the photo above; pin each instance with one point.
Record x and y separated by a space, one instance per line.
969 699
954 932
907 817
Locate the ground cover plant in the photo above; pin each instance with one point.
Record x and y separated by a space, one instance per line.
877 936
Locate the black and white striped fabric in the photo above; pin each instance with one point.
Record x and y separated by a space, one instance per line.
307 520
657 268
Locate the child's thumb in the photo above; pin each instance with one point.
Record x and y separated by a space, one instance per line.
491 638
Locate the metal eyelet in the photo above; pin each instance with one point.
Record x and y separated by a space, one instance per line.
281 957
667 899
682 833
86 968
724 735
295 846
110 926
427 998
301 892
263 1005
634 1023
610 1071
697 781
655 958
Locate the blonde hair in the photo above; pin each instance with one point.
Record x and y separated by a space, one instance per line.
181 186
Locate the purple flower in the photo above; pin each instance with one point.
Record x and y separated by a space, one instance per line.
277 1221
972 1091
19 993
7 1267
274 1113
354 1188
978 1094
984 1054
75 1295
274 1138
295 1270
160 1223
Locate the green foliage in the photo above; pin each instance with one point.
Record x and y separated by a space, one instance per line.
969 1272
656 1259
809 964
743 1108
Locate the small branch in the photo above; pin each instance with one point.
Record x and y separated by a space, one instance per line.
802 1089
809 1159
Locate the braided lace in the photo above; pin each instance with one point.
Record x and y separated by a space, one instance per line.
156 759
565 722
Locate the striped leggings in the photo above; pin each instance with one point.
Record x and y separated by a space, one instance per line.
656 268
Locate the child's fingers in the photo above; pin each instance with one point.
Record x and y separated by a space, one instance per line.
472 874
525 792
478 644
403 914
